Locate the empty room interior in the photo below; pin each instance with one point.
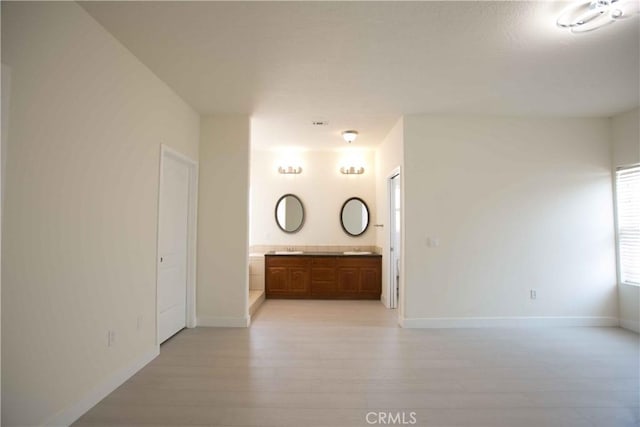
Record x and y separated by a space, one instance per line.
320 213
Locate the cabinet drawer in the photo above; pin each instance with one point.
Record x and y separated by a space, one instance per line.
323 274
324 289
323 261
358 261
287 261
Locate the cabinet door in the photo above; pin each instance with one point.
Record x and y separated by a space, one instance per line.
299 280
276 280
348 280
369 280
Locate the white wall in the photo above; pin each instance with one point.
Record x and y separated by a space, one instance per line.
389 156
223 209
322 189
517 204
626 151
79 238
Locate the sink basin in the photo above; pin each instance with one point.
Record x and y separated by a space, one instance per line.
288 252
357 253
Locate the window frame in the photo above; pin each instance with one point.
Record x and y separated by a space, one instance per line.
617 225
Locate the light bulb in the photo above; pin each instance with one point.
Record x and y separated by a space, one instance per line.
350 135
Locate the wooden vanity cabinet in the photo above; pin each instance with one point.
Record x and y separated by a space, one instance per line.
287 277
323 277
359 277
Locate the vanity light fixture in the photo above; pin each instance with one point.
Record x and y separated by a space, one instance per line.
290 170
350 135
584 16
352 170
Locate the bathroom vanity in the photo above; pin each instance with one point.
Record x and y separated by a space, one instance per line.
323 275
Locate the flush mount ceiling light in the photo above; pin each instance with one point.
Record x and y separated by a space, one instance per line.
584 16
350 135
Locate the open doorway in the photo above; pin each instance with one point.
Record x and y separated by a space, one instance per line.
395 237
313 248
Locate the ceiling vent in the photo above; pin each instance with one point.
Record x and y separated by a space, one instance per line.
320 123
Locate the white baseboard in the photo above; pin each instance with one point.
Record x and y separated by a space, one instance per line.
505 322
70 414
383 300
224 322
632 325
401 321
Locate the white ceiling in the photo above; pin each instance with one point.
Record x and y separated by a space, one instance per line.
362 65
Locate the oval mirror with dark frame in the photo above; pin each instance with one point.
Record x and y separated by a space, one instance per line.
354 216
289 213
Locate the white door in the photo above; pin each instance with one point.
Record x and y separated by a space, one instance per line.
173 245
395 240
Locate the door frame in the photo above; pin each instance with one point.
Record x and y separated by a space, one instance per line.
192 223
391 295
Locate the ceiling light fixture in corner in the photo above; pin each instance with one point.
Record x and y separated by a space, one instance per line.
350 135
584 16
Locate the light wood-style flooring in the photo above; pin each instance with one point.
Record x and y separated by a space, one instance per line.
330 363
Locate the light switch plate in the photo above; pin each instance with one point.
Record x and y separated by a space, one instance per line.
433 242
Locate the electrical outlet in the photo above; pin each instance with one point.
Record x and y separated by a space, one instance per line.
111 338
533 294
